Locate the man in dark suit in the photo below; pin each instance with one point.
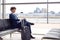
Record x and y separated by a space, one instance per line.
16 22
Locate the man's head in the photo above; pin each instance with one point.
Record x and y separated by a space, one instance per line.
13 9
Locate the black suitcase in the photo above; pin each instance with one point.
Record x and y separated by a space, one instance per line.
25 33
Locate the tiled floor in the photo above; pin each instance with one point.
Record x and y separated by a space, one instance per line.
18 37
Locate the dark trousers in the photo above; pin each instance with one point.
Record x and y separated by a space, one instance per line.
27 24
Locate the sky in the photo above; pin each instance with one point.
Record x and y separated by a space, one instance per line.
31 8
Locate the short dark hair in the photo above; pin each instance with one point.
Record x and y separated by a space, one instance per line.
12 8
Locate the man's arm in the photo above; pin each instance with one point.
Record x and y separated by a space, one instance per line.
31 23
28 22
12 17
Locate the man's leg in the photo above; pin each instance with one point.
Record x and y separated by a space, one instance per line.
29 25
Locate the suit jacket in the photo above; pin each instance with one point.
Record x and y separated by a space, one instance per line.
14 19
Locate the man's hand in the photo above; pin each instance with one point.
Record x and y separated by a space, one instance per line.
31 23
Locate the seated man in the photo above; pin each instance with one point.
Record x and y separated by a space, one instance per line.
16 22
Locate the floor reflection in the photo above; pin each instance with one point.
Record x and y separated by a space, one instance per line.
17 36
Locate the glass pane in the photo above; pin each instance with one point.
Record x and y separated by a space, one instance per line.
22 1
0 10
54 0
0 1
54 13
35 13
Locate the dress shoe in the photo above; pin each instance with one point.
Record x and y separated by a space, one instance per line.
32 37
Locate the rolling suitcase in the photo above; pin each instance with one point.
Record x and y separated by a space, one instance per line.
25 33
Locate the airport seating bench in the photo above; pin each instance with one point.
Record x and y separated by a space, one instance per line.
53 34
5 28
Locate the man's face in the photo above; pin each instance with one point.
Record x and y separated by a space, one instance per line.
13 11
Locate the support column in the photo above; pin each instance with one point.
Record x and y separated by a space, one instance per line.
3 9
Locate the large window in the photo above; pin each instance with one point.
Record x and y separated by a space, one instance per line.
36 11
